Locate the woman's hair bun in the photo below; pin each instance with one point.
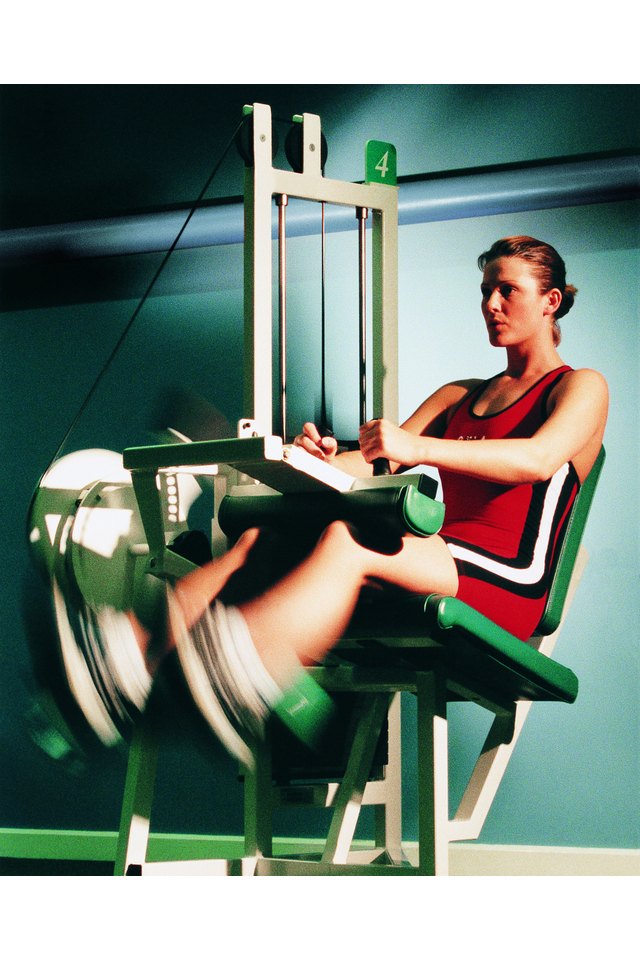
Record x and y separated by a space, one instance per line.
568 299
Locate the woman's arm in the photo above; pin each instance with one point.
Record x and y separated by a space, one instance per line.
325 448
575 426
430 419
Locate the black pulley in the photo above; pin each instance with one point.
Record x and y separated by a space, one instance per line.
244 141
293 148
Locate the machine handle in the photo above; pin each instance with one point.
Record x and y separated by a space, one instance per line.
381 467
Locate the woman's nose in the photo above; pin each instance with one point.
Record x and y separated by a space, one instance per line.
494 302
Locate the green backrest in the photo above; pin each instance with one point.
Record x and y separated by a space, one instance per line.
569 550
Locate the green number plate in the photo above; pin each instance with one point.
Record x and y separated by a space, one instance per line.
381 163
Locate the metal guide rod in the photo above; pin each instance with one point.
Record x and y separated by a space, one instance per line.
362 214
282 200
381 466
324 425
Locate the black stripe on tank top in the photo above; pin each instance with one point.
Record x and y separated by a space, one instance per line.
503 571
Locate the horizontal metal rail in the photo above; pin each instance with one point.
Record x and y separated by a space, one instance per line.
431 198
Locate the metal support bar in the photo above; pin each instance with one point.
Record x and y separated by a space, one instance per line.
351 790
162 562
282 200
384 310
135 818
433 775
388 813
324 417
487 774
258 802
362 215
145 485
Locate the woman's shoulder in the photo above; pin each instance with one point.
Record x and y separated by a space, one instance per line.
450 395
453 395
582 378
433 414
581 388
457 390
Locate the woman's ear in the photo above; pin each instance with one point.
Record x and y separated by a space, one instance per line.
554 299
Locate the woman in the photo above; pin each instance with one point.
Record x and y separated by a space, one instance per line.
541 425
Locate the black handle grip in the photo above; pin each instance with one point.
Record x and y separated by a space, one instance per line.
381 467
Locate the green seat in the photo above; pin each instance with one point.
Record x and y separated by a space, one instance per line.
445 633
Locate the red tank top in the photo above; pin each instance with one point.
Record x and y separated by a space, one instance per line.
503 537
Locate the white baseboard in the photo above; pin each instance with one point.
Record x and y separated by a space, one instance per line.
484 860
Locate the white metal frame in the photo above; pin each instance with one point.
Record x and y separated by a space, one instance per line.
263 181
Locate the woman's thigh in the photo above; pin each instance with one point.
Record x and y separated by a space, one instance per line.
421 565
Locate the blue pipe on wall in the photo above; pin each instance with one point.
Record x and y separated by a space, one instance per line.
447 197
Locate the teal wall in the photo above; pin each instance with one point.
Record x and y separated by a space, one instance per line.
575 774
72 153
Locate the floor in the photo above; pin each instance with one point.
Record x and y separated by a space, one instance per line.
10 867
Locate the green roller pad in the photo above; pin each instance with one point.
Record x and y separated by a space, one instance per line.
421 515
305 708
390 511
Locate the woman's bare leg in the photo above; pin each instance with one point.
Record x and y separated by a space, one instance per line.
251 654
195 592
301 617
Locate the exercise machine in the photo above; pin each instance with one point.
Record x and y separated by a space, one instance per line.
435 647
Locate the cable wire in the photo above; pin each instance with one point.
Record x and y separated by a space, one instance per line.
85 403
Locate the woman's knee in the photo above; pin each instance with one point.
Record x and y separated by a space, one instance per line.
339 536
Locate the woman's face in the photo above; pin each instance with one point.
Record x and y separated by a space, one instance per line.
513 308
